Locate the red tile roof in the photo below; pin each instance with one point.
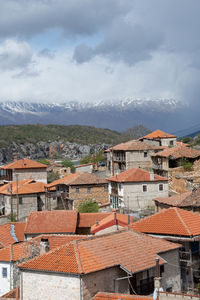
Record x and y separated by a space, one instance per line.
134 251
78 178
57 221
158 134
178 152
83 165
171 221
30 248
89 219
117 296
175 200
111 220
24 163
23 187
136 175
14 294
11 233
134 145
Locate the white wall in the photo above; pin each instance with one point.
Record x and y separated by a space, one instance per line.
49 286
4 282
136 199
35 174
88 169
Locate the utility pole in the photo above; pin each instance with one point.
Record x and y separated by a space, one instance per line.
17 175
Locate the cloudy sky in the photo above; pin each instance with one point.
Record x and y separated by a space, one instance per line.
87 50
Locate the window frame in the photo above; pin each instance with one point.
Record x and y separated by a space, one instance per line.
161 185
77 190
144 188
4 272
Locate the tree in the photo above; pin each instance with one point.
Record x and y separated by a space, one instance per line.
88 206
44 161
52 176
99 157
68 164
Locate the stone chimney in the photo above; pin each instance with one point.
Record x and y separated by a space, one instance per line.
151 176
44 246
15 158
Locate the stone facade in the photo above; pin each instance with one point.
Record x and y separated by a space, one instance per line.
98 193
104 281
132 196
35 174
51 286
27 204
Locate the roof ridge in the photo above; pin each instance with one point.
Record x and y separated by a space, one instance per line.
78 257
181 219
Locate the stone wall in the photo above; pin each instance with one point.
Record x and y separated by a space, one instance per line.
104 281
97 193
177 296
136 199
29 204
171 278
36 174
137 159
51 286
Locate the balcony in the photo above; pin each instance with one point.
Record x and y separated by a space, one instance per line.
114 191
186 257
157 167
120 158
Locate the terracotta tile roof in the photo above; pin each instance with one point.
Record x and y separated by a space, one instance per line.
135 145
187 199
14 294
117 296
23 187
158 134
83 165
11 233
136 175
89 219
171 221
57 221
78 178
111 220
178 152
182 144
134 251
24 163
25 249
174 200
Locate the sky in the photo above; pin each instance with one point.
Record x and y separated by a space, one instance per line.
91 50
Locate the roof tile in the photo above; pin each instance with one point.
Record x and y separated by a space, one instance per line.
24 163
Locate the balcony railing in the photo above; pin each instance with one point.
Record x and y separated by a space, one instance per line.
157 167
119 158
184 256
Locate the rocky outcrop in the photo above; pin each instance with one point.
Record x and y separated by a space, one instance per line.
57 149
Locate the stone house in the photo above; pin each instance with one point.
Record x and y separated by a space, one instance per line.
135 189
89 168
132 154
170 158
122 261
12 255
20 198
180 226
161 138
189 200
71 190
24 169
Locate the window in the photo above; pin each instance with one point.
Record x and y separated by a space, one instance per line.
144 188
145 154
171 143
20 200
89 190
114 202
106 188
4 272
77 190
161 187
120 186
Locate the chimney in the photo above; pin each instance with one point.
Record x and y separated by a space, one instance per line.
15 158
181 143
157 281
151 176
44 246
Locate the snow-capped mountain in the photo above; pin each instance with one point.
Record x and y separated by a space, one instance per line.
117 114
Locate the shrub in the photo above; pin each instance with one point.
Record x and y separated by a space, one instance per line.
88 206
52 176
186 164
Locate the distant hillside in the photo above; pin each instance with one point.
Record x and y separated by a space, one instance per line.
50 133
136 132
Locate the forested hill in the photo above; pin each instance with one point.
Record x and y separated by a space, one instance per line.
71 133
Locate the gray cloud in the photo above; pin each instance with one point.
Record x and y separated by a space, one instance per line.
14 54
46 53
27 17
